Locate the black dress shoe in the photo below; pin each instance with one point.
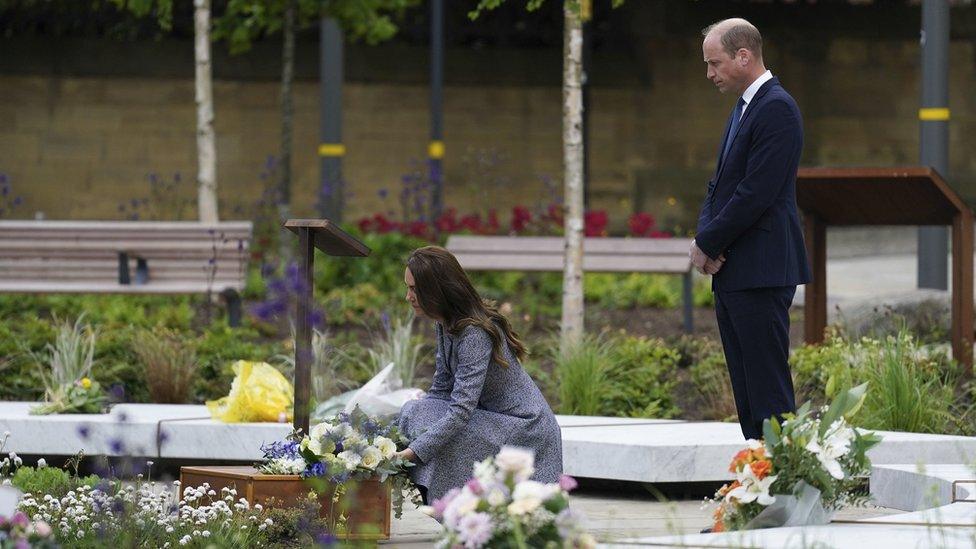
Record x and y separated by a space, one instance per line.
705 531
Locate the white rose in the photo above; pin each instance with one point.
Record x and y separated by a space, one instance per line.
351 459
518 461
386 446
371 458
314 445
321 430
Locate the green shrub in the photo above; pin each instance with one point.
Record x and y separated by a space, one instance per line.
359 303
117 366
21 378
49 480
255 285
117 311
383 267
911 386
642 377
701 291
626 291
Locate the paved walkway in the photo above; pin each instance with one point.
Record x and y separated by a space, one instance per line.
609 517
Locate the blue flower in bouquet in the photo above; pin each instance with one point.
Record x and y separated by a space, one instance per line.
282 458
316 469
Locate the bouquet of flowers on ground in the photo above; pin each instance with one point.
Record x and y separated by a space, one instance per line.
805 468
349 446
501 507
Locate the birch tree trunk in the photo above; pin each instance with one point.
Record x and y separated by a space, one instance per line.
572 319
287 122
206 146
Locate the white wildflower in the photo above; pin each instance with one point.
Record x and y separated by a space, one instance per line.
517 461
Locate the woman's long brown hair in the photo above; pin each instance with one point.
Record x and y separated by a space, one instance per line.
443 290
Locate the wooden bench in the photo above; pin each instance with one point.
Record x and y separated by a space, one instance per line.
607 255
130 257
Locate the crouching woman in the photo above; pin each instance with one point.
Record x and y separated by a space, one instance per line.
480 398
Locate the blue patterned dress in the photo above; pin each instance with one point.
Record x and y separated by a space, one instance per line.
473 408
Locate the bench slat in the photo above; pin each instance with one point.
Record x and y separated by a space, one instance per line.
551 262
69 287
554 244
534 253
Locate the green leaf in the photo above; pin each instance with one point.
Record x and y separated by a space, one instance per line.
771 432
845 403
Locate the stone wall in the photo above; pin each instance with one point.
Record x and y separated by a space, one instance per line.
77 146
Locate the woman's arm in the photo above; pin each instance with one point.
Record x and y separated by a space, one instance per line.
474 356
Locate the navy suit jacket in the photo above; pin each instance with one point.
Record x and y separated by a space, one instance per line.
749 213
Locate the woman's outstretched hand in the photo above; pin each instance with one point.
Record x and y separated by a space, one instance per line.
408 454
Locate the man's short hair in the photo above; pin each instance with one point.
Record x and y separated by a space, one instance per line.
740 34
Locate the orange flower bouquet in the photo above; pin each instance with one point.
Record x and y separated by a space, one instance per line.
804 469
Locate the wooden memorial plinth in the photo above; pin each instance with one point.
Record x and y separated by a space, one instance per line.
366 504
885 196
332 240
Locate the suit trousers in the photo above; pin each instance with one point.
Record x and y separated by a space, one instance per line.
755 328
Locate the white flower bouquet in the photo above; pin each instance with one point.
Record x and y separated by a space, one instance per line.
804 469
501 507
349 446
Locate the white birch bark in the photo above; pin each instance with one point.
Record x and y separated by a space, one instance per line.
206 141
572 317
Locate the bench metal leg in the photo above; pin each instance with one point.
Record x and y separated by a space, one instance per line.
689 303
124 268
233 300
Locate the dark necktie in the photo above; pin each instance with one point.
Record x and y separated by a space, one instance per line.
736 115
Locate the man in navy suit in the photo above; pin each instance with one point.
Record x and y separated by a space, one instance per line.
749 236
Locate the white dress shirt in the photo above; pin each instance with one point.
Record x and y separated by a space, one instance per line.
753 88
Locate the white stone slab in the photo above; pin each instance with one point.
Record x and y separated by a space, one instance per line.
599 421
916 487
701 451
643 450
209 439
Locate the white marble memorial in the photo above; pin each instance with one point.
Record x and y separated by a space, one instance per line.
642 450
